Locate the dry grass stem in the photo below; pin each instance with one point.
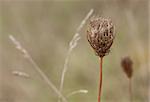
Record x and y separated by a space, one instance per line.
20 74
37 68
72 45
77 92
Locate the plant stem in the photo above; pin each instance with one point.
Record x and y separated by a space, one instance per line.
130 89
100 79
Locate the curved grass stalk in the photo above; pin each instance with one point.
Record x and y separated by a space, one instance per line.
73 43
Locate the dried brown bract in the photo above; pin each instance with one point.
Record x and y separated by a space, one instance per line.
126 64
100 35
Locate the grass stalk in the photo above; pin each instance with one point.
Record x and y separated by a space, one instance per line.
130 89
73 43
36 67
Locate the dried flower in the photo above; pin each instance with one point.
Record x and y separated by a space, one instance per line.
100 35
126 64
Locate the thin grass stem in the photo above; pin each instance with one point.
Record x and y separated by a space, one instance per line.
73 43
36 67
130 89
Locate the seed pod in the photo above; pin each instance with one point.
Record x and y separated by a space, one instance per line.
126 64
100 35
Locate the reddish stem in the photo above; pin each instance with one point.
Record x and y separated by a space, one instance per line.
130 89
100 82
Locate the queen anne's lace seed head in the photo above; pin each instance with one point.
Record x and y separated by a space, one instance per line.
100 35
126 64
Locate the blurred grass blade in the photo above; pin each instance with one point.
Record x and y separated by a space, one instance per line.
20 74
37 68
72 45
77 92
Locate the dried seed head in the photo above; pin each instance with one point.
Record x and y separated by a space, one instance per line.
100 35
126 64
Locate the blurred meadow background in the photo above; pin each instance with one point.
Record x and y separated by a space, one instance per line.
45 28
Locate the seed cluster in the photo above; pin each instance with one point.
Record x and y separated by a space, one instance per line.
100 35
126 64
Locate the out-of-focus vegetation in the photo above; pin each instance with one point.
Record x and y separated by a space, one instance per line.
45 29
